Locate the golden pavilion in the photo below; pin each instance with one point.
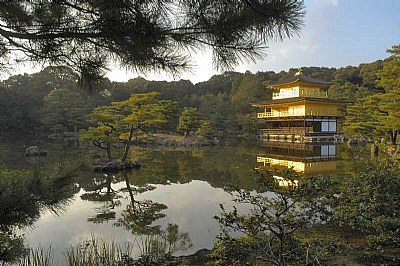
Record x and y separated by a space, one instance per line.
300 110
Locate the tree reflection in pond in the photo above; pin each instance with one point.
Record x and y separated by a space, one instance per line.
139 216
24 195
156 245
109 197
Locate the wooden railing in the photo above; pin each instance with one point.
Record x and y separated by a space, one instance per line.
322 94
303 93
270 160
287 130
283 95
279 114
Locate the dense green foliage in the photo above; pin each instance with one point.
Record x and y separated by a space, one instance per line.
63 110
370 202
24 195
272 228
377 116
290 225
205 129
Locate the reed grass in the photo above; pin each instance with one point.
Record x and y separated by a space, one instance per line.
38 257
97 252
153 250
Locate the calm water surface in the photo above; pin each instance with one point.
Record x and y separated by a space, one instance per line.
178 186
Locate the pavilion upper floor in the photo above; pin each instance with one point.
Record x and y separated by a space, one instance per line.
299 90
299 106
299 85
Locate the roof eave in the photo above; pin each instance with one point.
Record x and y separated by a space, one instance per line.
276 86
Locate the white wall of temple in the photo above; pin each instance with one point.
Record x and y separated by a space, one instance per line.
299 91
286 93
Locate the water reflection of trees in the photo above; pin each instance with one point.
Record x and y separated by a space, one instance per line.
156 244
102 191
121 194
163 166
137 216
24 195
218 166
159 248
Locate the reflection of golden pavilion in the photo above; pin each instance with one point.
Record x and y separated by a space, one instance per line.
301 167
303 158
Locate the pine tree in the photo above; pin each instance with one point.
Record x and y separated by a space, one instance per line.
142 35
125 121
63 110
188 121
205 129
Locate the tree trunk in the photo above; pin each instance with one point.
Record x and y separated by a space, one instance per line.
128 187
108 149
393 136
374 150
281 237
127 145
109 180
359 153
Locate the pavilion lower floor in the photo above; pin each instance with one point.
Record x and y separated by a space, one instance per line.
308 129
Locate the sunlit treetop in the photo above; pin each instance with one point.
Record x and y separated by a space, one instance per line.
151 35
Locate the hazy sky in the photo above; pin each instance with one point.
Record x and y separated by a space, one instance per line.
336 33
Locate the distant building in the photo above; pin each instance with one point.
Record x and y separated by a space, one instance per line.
299 111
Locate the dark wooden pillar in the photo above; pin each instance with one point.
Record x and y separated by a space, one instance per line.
374 150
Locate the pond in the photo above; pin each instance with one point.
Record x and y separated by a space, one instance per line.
68 203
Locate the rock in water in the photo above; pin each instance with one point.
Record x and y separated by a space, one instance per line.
32 151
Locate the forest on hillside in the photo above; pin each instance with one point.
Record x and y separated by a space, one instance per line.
53 102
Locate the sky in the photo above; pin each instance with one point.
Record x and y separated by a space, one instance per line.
336 33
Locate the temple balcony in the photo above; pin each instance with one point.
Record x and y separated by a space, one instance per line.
283 94
294 131
280 114
287 130
306 92
313 93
